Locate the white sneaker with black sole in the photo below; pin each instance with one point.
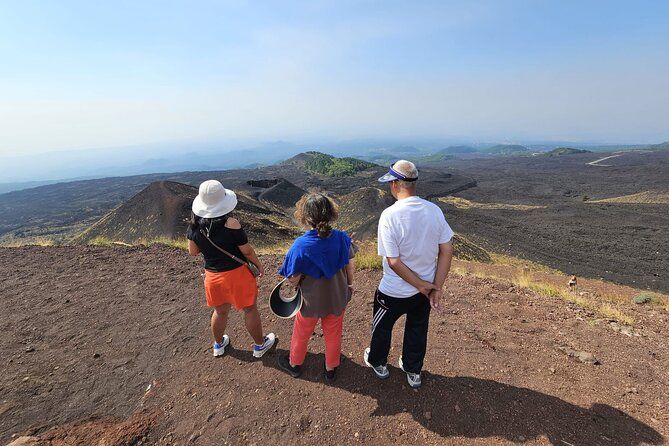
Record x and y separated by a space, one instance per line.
412 378
381 371
260 350
219 349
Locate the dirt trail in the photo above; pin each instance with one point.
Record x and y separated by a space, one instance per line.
86 331
596 162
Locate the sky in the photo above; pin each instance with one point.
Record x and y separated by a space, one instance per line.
81 75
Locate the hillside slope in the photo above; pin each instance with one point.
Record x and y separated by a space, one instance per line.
494 372
163 209
359 211
160 210
283 194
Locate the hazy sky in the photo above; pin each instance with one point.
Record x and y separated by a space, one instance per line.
80 74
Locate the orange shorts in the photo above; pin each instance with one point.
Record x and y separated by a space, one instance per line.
237 287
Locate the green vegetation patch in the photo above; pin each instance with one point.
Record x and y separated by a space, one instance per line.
335 167
435 157
507 149
561 151
647 298
525 280
180 243
367 257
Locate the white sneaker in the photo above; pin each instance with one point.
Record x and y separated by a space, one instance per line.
260 350
219 349
412 378
381 370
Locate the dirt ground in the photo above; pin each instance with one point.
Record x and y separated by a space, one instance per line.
111 346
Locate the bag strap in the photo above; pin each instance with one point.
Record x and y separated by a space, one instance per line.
233 257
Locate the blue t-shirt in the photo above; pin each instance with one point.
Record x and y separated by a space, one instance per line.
317 257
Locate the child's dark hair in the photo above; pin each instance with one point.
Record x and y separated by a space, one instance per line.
317 211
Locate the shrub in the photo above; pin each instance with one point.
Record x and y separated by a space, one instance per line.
645 297
367 257
101 241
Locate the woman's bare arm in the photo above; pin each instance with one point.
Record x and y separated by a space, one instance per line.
251 256
193 249
246 249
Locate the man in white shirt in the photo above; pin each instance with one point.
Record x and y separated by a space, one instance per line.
415 242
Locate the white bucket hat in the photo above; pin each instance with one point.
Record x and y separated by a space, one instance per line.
213 200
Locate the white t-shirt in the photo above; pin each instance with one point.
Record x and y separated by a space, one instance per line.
412 230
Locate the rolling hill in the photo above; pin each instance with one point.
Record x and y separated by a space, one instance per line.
661 146
561 151
162 209
279 192
359 211
507 149
328 165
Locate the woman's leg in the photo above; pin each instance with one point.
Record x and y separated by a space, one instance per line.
219 320
332 330
253 324
302 330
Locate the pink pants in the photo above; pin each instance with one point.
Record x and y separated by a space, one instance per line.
302 331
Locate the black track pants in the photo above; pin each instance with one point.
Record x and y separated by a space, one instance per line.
386 312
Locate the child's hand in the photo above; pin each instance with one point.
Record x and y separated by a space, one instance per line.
295 280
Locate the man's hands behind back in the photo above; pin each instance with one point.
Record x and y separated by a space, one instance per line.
435 297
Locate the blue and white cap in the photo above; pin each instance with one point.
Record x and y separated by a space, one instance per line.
394 175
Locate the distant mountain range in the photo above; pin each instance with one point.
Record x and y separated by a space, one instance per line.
521 150
661 146
22 172
8 187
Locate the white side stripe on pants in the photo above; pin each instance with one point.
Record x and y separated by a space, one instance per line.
376 316
377 319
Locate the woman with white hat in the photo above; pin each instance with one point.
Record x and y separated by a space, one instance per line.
229 279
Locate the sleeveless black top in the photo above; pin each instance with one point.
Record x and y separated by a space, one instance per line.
226 238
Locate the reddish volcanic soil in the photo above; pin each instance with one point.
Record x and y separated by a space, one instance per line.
111 346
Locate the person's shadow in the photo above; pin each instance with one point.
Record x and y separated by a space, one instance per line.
475 408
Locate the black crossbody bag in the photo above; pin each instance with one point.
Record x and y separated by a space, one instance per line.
254 269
